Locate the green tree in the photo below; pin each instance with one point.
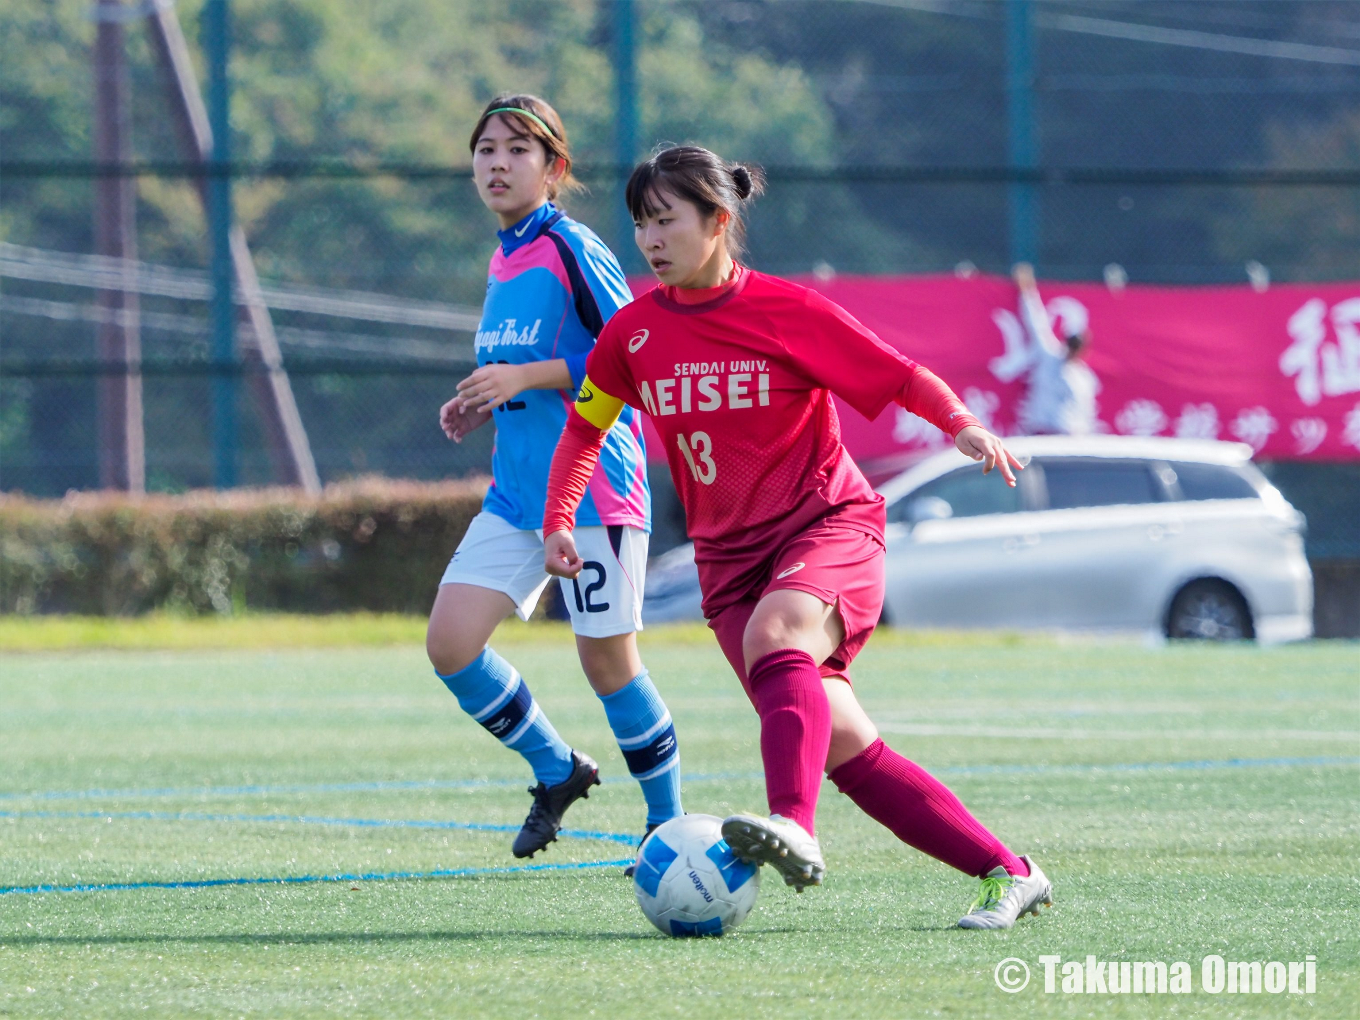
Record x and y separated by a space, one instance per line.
362 82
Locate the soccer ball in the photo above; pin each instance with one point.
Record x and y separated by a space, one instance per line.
688 881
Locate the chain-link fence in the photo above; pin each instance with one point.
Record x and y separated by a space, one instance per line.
1178 141
360 419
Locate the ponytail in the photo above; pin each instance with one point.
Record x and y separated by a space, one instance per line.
747 185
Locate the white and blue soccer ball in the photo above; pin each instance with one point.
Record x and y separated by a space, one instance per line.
688 881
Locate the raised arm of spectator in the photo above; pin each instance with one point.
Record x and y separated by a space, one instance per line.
1033 313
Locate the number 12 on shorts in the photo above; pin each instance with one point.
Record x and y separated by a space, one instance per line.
698 454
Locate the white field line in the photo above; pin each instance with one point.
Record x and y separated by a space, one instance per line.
1022 731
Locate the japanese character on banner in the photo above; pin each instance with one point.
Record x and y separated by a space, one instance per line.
1141 418
913 430
1198 421
1351 434
1308 434
1018 357
1320 368
983 405
1068 316
1254 426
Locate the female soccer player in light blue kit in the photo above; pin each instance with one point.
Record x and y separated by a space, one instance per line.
552 286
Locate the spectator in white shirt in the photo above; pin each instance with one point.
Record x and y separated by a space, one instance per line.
1061 399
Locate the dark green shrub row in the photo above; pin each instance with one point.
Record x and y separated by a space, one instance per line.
371 544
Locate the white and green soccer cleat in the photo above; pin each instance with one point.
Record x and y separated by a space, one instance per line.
779 842
1006 897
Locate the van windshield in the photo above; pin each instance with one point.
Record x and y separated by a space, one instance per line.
968 492
1098 482
1211 481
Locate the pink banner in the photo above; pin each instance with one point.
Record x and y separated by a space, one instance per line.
1279 369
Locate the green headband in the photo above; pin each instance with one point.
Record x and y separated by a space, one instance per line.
523 113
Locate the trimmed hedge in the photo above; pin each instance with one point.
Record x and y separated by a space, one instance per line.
372 544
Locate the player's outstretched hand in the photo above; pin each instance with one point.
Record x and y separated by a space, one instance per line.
457 419
492 385
560 557
976 442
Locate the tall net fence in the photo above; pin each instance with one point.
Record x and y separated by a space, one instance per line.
1168 142
361 419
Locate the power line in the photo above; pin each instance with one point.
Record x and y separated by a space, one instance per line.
1135 32
193 328
1194 39
199 368
104 273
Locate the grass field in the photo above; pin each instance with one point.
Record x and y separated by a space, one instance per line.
1185 801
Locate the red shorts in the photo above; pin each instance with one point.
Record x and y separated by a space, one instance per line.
840 565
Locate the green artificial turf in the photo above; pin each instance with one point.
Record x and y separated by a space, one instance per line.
1246 848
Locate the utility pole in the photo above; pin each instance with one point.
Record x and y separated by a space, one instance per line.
222 310
625 112
1023 149
289 450
122 449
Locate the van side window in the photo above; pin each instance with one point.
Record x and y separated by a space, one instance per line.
1098 482
1211 481
968 492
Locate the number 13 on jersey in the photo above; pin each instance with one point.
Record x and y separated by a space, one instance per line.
698 454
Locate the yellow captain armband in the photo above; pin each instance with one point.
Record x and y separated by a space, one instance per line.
598 407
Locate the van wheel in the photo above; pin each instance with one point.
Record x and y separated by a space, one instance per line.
1209 610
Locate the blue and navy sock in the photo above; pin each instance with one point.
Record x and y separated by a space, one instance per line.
646 736
491 691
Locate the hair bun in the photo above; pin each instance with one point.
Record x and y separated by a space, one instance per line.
742 177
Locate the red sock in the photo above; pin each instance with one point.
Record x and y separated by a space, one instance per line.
921 811
795 731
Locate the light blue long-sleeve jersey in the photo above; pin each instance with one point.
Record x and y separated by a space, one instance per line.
552 286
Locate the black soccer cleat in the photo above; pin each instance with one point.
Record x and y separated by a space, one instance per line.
651 827
551 803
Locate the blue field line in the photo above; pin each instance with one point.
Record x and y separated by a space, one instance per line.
370 876
362 823
375 786
261 788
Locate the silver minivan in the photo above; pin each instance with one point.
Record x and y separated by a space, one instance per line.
1184 538
1173 537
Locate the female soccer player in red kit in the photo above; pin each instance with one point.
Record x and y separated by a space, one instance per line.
736 370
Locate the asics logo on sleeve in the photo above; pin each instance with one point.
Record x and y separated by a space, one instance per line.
637 340
791 570
585 396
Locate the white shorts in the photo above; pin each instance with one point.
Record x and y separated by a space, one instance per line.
604 600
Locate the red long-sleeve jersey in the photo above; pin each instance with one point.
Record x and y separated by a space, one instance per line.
739 388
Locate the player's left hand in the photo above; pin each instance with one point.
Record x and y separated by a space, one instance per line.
491 385
976 442
457 419
560 557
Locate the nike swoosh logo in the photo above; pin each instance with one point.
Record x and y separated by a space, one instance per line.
521 230
637 340
792 570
